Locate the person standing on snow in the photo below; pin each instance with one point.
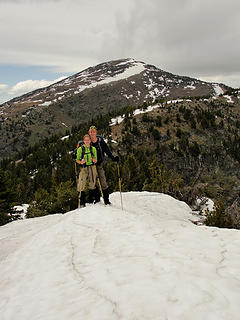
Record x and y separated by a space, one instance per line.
87 158
102 148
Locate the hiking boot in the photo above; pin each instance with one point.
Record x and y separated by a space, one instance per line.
97 195
106 196
91 196
82 200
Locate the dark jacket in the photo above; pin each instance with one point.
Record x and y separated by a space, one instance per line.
102 148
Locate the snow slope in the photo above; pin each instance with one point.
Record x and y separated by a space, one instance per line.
146 262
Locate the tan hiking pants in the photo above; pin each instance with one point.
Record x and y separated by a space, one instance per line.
101 175
87 173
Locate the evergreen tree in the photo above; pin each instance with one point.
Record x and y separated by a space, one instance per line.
163 180
219 217
7 197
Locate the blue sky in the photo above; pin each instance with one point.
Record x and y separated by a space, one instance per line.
12 74
43 41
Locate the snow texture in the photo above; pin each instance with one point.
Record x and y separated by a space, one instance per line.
218 90
190 86
46 104
65 137
147 262
135 68
175 101
119 119
229 98
21 209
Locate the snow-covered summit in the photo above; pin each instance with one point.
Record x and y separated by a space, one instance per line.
146 262
105 73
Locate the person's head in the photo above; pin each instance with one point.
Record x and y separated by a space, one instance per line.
87 139
92 131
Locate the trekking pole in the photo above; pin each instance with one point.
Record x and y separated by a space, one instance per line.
76 177
120 184
76 173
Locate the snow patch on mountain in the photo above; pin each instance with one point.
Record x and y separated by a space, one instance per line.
218 89
190 86
46 104
229 98
119 119
65 138
135 68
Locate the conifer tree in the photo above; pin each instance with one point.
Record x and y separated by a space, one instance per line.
6 200
219 217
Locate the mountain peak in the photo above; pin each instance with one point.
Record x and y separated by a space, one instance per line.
94 91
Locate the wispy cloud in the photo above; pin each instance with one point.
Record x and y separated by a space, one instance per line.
7 92
3 87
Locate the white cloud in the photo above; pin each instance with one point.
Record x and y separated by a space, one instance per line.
23 87
30 85
198 38
232 80
3 87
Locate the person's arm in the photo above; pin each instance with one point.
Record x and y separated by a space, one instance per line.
106 149
94 155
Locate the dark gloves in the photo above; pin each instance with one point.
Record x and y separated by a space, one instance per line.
116 159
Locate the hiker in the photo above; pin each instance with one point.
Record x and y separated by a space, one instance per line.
102 148
87 158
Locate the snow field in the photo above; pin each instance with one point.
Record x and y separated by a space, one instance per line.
145 262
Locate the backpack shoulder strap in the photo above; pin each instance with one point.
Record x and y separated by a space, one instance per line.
83 152
99 138
79 144
91 151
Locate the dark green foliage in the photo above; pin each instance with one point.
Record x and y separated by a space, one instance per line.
6 200
158 121
166 121
207 119
219 217
187 114
179 133
193 123
156 134
136 131
131 174
61 199
233 145
194 149
127 124
162 179
4 218
178 118
152 158
147 118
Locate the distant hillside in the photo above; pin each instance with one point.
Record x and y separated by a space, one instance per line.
187 148
95 91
